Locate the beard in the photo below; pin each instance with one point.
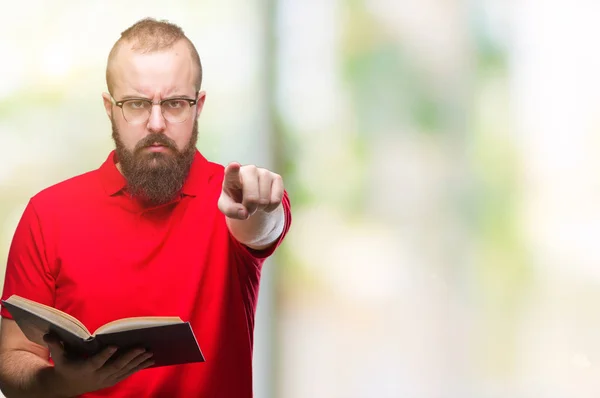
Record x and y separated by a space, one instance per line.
155 177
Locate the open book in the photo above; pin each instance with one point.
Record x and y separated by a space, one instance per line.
171 340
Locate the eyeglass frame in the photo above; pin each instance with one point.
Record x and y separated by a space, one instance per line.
120 104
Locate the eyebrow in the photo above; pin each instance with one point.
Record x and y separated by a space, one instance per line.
137 97
128 97
173 93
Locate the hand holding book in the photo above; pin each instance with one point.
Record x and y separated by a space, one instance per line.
169 339
73 377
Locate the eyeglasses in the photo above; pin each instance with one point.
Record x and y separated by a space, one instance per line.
138 110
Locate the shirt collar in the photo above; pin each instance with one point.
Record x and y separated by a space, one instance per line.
114 182
196 177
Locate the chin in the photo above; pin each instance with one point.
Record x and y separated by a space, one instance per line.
152 160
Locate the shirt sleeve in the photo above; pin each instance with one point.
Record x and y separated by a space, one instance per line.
249 265
27 270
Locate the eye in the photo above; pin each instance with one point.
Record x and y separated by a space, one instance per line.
136 104
176 104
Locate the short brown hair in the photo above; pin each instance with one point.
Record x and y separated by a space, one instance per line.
148 35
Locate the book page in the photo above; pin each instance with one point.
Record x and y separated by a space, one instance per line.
134 323
51 315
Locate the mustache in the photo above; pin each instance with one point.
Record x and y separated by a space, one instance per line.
155 138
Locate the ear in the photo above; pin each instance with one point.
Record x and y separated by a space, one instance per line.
108 105
200 104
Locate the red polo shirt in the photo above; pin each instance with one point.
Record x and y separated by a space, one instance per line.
86 247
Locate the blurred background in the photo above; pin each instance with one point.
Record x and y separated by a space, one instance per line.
442 157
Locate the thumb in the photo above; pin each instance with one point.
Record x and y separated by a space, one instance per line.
55 346
230 208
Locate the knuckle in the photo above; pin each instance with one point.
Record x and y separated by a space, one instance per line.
249 169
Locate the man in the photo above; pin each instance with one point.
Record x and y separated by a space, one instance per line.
156 230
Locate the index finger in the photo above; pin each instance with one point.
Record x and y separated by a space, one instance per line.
232 174
123 360
102 357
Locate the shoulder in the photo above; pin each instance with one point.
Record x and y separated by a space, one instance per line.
69 191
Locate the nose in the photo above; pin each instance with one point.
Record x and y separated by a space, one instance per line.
156 121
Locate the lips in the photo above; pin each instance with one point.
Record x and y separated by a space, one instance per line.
156 142
158 145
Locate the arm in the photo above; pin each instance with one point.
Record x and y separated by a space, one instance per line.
24 365
251 200
24 368
26 373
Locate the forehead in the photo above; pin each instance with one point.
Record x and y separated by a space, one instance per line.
160 73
